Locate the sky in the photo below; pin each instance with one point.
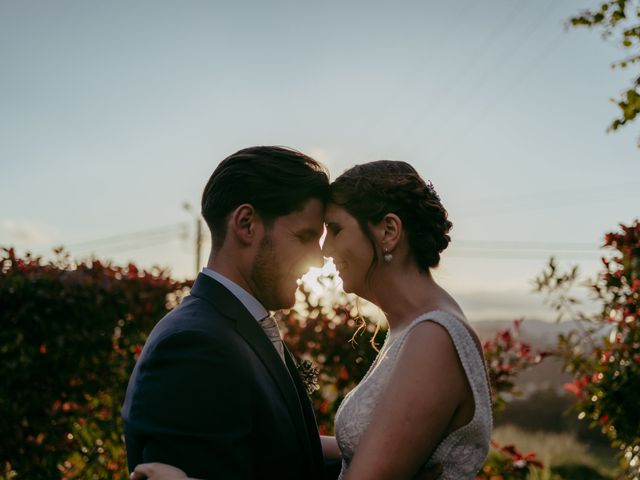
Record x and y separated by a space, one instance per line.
114 114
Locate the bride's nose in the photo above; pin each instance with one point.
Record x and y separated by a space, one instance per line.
327 246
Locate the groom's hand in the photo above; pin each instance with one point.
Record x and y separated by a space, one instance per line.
431 473
157 471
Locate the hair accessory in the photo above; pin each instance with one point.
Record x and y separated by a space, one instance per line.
432 190
387 256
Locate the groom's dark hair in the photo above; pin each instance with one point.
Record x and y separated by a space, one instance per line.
275 180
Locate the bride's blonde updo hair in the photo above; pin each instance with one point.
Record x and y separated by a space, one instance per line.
371 190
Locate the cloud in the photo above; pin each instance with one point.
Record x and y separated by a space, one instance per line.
23 232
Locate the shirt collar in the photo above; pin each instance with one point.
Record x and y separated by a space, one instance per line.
256 309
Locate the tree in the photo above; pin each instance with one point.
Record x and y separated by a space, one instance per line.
619 21
70 333
604 355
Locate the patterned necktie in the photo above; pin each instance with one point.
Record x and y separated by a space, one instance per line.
270 327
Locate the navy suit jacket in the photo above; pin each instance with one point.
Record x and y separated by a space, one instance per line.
210 395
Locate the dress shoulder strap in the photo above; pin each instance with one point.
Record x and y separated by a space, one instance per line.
466 344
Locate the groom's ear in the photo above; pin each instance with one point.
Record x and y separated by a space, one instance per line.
244 224
389 231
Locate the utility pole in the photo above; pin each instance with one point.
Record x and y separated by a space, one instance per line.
198 231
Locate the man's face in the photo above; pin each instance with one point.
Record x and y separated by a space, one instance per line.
289 247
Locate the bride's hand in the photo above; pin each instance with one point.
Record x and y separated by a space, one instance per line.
157 471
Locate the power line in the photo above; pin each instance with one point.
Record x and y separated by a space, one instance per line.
501 96
491 71
548 194
467 64
516 245
489 249
135 245
524 250
514 207
98 243
509 255
143 239
422 66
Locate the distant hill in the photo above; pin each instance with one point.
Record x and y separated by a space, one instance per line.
541 334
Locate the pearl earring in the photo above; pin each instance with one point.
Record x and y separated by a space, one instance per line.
387 256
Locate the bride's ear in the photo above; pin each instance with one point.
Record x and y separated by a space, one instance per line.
389 231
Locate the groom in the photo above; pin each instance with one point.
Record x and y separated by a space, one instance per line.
215 392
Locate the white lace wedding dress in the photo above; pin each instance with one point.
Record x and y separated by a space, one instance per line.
463 451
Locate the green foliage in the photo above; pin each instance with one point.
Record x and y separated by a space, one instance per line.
71 332
583 472
619 22
561 284
69 336
548 411
561 452
507 355
507 463
604 357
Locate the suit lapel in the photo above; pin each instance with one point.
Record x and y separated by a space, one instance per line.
226 303
309 416
253 334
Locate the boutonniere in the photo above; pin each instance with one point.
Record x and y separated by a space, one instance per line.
309 375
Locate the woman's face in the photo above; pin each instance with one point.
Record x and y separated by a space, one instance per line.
350 249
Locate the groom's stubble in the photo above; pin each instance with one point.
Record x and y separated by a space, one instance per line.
266 277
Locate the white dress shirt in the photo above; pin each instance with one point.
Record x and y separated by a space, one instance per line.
256 309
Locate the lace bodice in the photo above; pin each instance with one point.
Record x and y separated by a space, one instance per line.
463 451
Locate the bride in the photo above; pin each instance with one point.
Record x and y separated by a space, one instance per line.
425 402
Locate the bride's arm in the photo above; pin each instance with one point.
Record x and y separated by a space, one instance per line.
426 387
330 448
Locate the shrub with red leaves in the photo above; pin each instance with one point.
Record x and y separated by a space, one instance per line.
507 355
604 357
69 335
71 332
507 463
